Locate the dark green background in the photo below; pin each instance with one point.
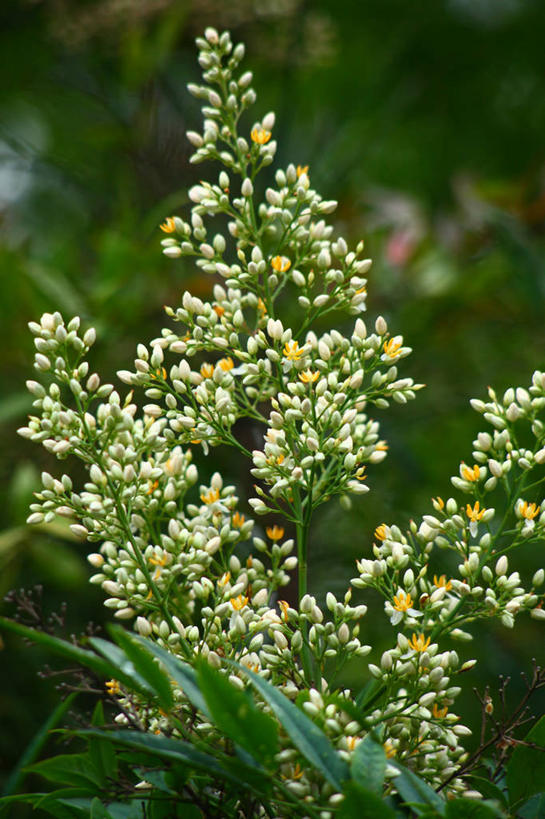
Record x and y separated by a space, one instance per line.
426 120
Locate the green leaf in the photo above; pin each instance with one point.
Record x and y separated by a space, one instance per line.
370 692
68 769
35 746
534 808
167 748
526 768
236 715
124 667
98 811
305 734
183 674
146 666
368 764
121 670
415 791
463 808
488 789
363 804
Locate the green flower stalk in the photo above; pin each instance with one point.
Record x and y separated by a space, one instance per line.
170 552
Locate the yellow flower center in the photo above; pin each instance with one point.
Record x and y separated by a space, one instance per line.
392 348
301 169
226 364
260 135
112 687
381 532
169 225
309 377
207 370
237 520
419 643
470 473
474 513
292 351
281 264
402 601
442 582
239 602
211 496
529 510
275 532
439 712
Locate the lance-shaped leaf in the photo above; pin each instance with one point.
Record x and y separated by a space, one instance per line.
146 666
183 674
236 715
305 734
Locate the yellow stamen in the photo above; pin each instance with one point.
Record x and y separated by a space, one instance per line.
392 348
442 582
402 601
219 310
224 579
309 377
381 532
301 169
438 712
261 306
281 264
419 643
237 520
152 487
284 606
226 364
260 135
207 370
239 602
160 372
292 351
475 513
169 225
439 503
211 496
112 687
470 473
275 532
529 510
158 561
360 474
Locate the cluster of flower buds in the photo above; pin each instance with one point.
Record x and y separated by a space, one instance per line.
182 563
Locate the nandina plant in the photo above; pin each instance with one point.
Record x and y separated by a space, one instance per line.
199 582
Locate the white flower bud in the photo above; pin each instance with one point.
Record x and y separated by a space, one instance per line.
501 566
143 626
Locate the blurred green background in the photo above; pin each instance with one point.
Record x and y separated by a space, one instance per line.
426 120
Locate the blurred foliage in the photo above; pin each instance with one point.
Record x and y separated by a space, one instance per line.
425 120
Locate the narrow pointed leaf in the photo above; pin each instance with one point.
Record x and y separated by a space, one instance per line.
146 666
236 715
368 764
415 791
526 768
305 734
182 673
101 665
360 803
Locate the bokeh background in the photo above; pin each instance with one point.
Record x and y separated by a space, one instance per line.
426 120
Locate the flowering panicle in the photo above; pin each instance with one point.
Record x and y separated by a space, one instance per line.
183 562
